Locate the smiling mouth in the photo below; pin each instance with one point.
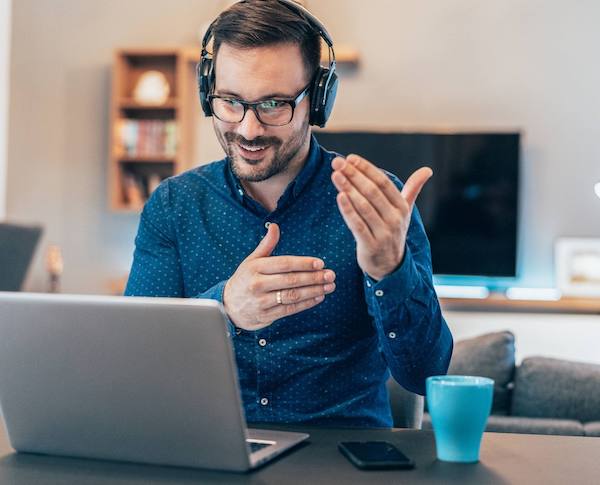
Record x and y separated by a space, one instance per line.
252 149
252 152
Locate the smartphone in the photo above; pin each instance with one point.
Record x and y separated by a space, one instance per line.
375 455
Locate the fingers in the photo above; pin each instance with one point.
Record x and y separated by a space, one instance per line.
287 264
414 184
294 279
353 220
296 295
282 310
377 177
370 210
352 178
267 244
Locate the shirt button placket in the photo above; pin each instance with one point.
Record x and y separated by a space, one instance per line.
263 401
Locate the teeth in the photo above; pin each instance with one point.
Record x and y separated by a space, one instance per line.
252 149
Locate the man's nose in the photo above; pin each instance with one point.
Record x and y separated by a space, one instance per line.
250 127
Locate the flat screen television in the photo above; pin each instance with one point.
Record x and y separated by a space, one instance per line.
470 205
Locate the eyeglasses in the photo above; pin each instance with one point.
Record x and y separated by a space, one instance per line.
270 112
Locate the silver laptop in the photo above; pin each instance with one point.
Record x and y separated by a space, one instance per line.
148 380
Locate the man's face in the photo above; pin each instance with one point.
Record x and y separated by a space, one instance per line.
257 151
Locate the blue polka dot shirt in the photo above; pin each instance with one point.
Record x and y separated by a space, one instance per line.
326 365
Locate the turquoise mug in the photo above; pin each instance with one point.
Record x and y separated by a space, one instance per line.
459 407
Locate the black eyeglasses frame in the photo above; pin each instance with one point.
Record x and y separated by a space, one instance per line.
293 102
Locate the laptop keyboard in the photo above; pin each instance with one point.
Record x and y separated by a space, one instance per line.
254 446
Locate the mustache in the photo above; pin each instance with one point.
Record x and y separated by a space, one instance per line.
257 142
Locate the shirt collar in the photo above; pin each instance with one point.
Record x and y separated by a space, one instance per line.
313 161
310 167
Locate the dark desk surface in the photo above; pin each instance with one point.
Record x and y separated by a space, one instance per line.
505 458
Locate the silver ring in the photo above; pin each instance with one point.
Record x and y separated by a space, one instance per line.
279 298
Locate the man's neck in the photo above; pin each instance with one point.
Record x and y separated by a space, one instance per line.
269 191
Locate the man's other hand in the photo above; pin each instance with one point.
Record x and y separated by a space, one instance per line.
265 288
377 213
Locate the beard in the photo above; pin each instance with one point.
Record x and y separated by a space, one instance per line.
282 153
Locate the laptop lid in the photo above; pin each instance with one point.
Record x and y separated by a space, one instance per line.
17 247
138 379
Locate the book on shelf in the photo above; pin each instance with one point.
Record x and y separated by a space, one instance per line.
146 138
133 191
137 188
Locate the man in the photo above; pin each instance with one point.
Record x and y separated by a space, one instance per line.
321 263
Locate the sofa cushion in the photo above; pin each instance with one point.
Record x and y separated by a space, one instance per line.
517 424
592 428
552 388
490 355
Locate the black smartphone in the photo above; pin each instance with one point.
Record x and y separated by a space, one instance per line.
375 455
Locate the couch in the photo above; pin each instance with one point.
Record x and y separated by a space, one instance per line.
541 396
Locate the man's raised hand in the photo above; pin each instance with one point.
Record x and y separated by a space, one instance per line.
265 288
377 213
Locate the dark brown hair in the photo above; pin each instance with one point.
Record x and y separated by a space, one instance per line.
259 23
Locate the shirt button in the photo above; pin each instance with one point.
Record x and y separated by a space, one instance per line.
262 342
379 293
264 401
240 191
392 335
238 331
267 224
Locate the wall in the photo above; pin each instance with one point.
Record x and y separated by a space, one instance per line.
495 64
571 337
431 64
58 146
5 24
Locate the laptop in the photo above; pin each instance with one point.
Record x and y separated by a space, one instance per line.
150 380
17 246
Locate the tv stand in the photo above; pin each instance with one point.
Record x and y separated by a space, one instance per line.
498 302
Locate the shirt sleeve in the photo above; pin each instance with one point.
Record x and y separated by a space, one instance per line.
156 269
413 335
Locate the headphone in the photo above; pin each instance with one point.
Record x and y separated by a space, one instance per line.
324 84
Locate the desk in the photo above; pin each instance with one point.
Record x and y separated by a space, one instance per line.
505 459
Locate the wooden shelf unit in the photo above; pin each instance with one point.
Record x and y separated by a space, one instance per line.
148 142
500 303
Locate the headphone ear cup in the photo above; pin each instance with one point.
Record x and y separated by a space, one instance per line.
323 94
330 94
316 95
204 75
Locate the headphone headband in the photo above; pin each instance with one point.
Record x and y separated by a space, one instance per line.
325 83
314 21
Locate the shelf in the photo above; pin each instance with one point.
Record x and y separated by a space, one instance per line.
344 54
146 159
499 303
130 103
148 142
145 52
